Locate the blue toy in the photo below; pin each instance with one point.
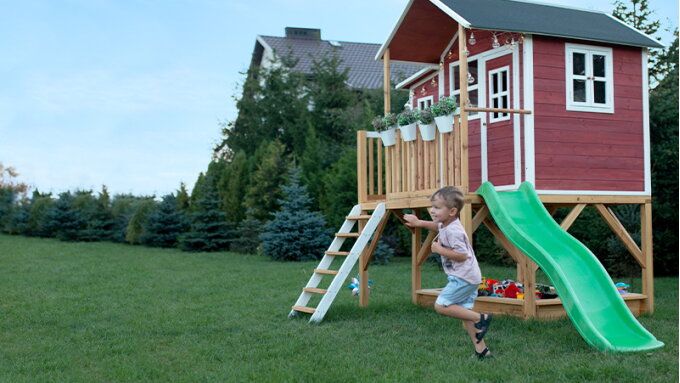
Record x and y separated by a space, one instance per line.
354 286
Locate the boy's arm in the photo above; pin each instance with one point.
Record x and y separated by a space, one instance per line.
448 253
413 221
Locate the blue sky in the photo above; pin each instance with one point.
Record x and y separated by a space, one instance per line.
129 93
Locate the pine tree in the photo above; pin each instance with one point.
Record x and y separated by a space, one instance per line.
19 218
264 191
340 190
208 228
135 227
164 224
638 15
62 220
247 238
295 233
233 187
40 205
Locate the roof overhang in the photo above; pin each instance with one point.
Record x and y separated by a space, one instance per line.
418 76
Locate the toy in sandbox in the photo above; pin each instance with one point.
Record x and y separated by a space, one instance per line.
511 289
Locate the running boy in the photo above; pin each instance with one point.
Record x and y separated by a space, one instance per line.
459 262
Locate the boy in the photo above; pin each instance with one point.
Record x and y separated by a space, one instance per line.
459 262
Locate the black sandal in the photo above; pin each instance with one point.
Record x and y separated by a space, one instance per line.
483 325
484 354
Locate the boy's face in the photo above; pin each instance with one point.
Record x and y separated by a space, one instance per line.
441 213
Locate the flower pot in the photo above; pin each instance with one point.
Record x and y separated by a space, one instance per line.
444 123
408 132
389 136
428 131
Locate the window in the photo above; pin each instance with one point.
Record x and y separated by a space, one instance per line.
499 93
425 102
590 78
473 84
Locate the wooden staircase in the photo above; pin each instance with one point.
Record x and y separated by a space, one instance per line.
340 275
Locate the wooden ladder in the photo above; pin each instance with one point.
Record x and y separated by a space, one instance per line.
341 274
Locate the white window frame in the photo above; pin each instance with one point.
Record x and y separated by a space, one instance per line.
496 94
456 92
589 105
425 102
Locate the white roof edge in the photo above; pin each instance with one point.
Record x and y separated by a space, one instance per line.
559 6
262 42
416 75
459 19
387 42
638 31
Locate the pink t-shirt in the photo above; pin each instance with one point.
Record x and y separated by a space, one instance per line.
454 237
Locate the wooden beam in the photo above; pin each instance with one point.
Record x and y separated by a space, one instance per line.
386 81
503 240
374 241
426 249
571 217
464 97
363 272
496 110
480 216
416 269
647 253
361 166
621 232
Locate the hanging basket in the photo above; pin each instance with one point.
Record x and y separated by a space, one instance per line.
408 132
444 123
389 136
428 131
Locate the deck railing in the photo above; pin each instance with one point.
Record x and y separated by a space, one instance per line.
407 169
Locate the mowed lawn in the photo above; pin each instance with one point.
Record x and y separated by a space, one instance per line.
103 312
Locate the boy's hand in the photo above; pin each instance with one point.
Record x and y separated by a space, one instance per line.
436 247
411 220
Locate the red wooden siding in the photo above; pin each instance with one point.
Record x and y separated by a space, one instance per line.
582 150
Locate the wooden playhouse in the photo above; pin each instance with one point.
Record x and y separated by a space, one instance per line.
555 96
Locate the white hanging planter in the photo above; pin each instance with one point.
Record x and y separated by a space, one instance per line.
444 123
389 136
408 132
428 131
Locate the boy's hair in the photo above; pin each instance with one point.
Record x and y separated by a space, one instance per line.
452 197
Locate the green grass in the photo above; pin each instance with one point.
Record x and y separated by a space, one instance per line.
102 312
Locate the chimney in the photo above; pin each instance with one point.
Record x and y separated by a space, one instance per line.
303 33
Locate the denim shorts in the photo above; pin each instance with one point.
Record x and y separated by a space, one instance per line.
458 292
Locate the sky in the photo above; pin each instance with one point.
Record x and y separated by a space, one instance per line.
130 93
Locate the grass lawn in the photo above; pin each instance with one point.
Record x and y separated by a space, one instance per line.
103 312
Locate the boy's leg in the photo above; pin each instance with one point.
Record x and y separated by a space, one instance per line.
457 311
469 326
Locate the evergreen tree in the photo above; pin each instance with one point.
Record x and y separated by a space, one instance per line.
340 189
182 199
62 220
295 233
135 227
312 166
208 228
247 239
638 15
123 207
40 205
233 187
19 217
164 224
264 191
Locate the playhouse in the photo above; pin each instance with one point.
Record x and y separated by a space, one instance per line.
552 96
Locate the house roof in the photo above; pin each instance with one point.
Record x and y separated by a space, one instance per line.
364 72
513 16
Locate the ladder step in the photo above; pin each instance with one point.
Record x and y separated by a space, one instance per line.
347 235
345 253
358 217
304 309
313 290
327 272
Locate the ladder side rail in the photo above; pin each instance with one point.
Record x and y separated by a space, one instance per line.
349 263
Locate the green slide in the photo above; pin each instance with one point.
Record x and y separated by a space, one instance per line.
586 290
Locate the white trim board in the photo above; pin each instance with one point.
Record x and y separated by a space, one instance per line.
592 192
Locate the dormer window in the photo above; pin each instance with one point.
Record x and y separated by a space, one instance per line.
590 78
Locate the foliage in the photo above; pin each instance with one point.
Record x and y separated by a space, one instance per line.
406 117
340 184
638 15
295 233
391 119
425 116
264 190
208 228
232 186
164 224
62 219
135 227
445 107
379 124
247 238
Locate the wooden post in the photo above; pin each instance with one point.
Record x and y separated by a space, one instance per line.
416 268
363 271
463 118
361 166
646 244
386 81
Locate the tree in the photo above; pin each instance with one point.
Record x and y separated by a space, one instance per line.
638 15
208 228
233 185
135 227
62 219
264 191
164 224
247 238
340 189
295 233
